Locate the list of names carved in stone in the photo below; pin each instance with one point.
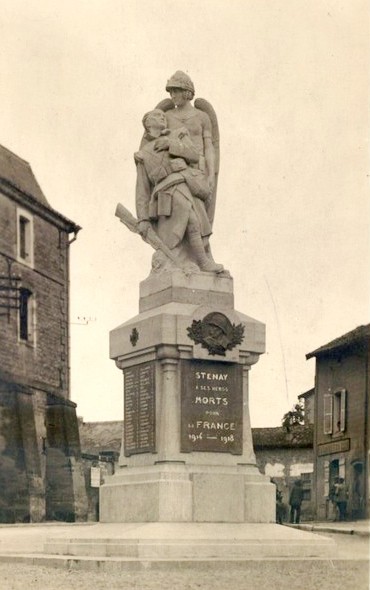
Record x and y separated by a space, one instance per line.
139 426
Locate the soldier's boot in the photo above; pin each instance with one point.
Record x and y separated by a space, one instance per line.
207 247
199 253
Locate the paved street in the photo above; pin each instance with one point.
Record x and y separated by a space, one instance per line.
270 575
348 569
350 546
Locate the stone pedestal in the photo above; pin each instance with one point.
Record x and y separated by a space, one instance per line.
188 453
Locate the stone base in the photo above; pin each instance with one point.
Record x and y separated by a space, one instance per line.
192 541
188 493
188 452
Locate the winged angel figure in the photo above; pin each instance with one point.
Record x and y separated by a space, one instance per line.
177 170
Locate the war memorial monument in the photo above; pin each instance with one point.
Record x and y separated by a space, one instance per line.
187 485
187 454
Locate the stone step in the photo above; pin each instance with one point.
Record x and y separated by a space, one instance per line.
187 541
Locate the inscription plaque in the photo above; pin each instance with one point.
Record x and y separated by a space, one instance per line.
139 409
211 407
338 446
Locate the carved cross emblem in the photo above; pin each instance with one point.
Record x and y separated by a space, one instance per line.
134 337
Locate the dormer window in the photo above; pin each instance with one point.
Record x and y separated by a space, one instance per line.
24 237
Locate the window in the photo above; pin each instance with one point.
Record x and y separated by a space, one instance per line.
328 413
26 316
24 237
335 412
307 495
306 479
339 411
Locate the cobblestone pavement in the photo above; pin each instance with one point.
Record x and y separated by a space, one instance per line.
292 575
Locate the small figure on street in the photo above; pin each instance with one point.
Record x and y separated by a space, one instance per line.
332 499
280 508
295 501
341 498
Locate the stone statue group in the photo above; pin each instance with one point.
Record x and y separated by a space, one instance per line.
177 168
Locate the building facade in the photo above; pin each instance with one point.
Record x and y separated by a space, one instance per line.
286 457
308 400
41 475
341 441
100 446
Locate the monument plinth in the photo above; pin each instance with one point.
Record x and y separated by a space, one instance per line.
187 453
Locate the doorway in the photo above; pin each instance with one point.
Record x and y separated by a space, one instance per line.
357 490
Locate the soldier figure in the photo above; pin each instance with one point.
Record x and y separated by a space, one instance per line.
170 192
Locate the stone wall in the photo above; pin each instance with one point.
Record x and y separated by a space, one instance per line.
41 474
14 504
44 363
284 466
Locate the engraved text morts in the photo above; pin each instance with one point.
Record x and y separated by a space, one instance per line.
211 407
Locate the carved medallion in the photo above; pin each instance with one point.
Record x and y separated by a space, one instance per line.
216 333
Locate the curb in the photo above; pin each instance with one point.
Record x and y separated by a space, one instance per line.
116 564
328 529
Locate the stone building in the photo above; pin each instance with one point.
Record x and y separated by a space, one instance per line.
308 400
285 457
342 416
41 474
100 446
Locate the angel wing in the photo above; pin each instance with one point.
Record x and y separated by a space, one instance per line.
203 105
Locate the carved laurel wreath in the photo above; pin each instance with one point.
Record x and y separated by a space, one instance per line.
225 337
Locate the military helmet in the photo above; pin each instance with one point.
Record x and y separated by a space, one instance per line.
219 320
180 80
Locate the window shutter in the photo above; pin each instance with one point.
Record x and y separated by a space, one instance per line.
343 410
342 467
326 478
328 413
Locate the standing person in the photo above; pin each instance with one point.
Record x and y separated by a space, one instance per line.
341 498
280 511
332 499
295 501
279 503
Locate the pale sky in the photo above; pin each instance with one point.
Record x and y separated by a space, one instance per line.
289 80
